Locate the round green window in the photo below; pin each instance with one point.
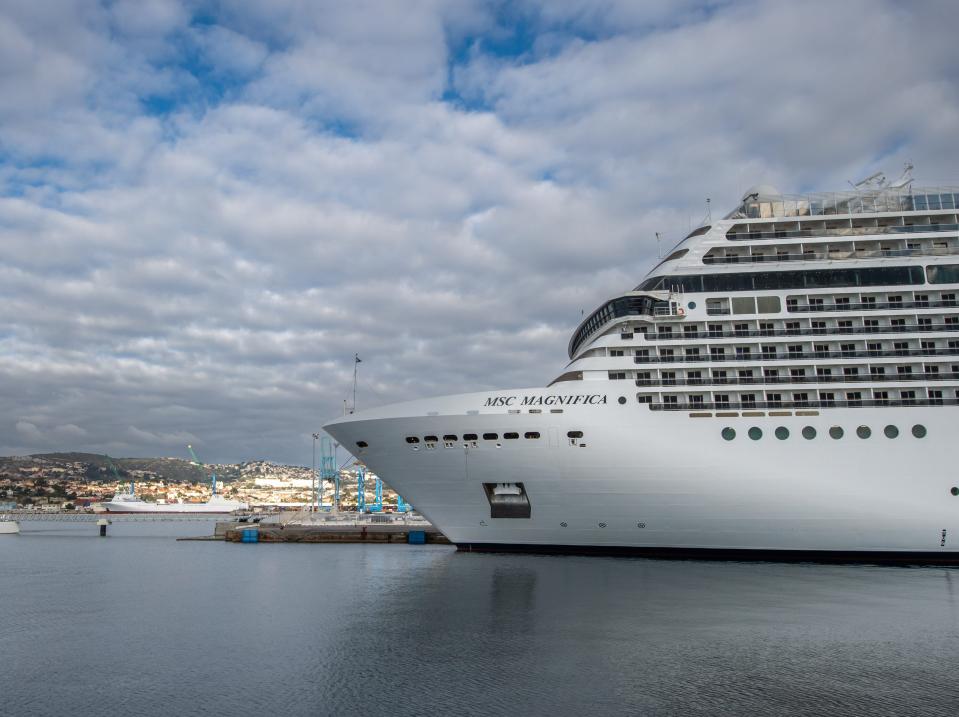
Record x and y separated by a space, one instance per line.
782 433
864 432
836 432
729 433
808 433
955 490
755 433
919 431
891 431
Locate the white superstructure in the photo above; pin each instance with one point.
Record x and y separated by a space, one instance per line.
785 380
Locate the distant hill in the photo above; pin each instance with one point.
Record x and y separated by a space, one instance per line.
95 467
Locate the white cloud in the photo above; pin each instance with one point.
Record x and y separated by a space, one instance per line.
201 220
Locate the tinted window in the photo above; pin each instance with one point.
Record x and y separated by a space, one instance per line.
943 274
780 280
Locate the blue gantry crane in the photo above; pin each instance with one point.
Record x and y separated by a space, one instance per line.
377 505
328 472
360 489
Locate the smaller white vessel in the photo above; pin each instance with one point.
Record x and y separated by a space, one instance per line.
129 503
9 527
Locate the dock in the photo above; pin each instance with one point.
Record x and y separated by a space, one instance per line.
349 528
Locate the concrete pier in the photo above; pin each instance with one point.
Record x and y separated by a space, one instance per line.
336 533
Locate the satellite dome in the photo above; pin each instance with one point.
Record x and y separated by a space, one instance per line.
762 191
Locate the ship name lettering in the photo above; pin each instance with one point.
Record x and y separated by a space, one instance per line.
593 399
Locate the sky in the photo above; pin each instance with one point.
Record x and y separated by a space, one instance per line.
207 208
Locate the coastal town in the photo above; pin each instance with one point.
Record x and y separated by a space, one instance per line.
78 481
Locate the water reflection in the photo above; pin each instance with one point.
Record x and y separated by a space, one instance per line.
511 600
402 630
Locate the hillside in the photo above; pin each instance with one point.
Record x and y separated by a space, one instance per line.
94 467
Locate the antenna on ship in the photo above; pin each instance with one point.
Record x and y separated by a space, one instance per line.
356 362
659 250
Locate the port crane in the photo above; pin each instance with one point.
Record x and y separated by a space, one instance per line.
376 506
196 462
116 474
328 471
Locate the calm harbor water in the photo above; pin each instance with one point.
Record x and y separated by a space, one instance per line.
139 624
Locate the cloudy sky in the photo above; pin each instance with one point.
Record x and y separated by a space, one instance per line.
206 208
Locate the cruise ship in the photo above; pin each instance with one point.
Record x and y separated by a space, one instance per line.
782 385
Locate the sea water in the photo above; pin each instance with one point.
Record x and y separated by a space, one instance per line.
139 624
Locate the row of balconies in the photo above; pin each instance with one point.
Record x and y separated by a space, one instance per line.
831 254
790 379
770 355
812 403
669 335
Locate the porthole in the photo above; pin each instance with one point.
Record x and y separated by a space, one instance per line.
364 444
574 434
864 432
430 439
808 432
469 436
919 431
955 490
891 431
532 435
782 433
691 304
622 399
755 433
490 436
412 439
450 438
836 432
510 436
729 433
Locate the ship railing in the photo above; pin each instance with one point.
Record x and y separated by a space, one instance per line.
767 380
828 331
840 232
793 355
872 306
859 202
829 255
776 405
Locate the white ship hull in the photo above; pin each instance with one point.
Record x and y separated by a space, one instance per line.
667 482
140 506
